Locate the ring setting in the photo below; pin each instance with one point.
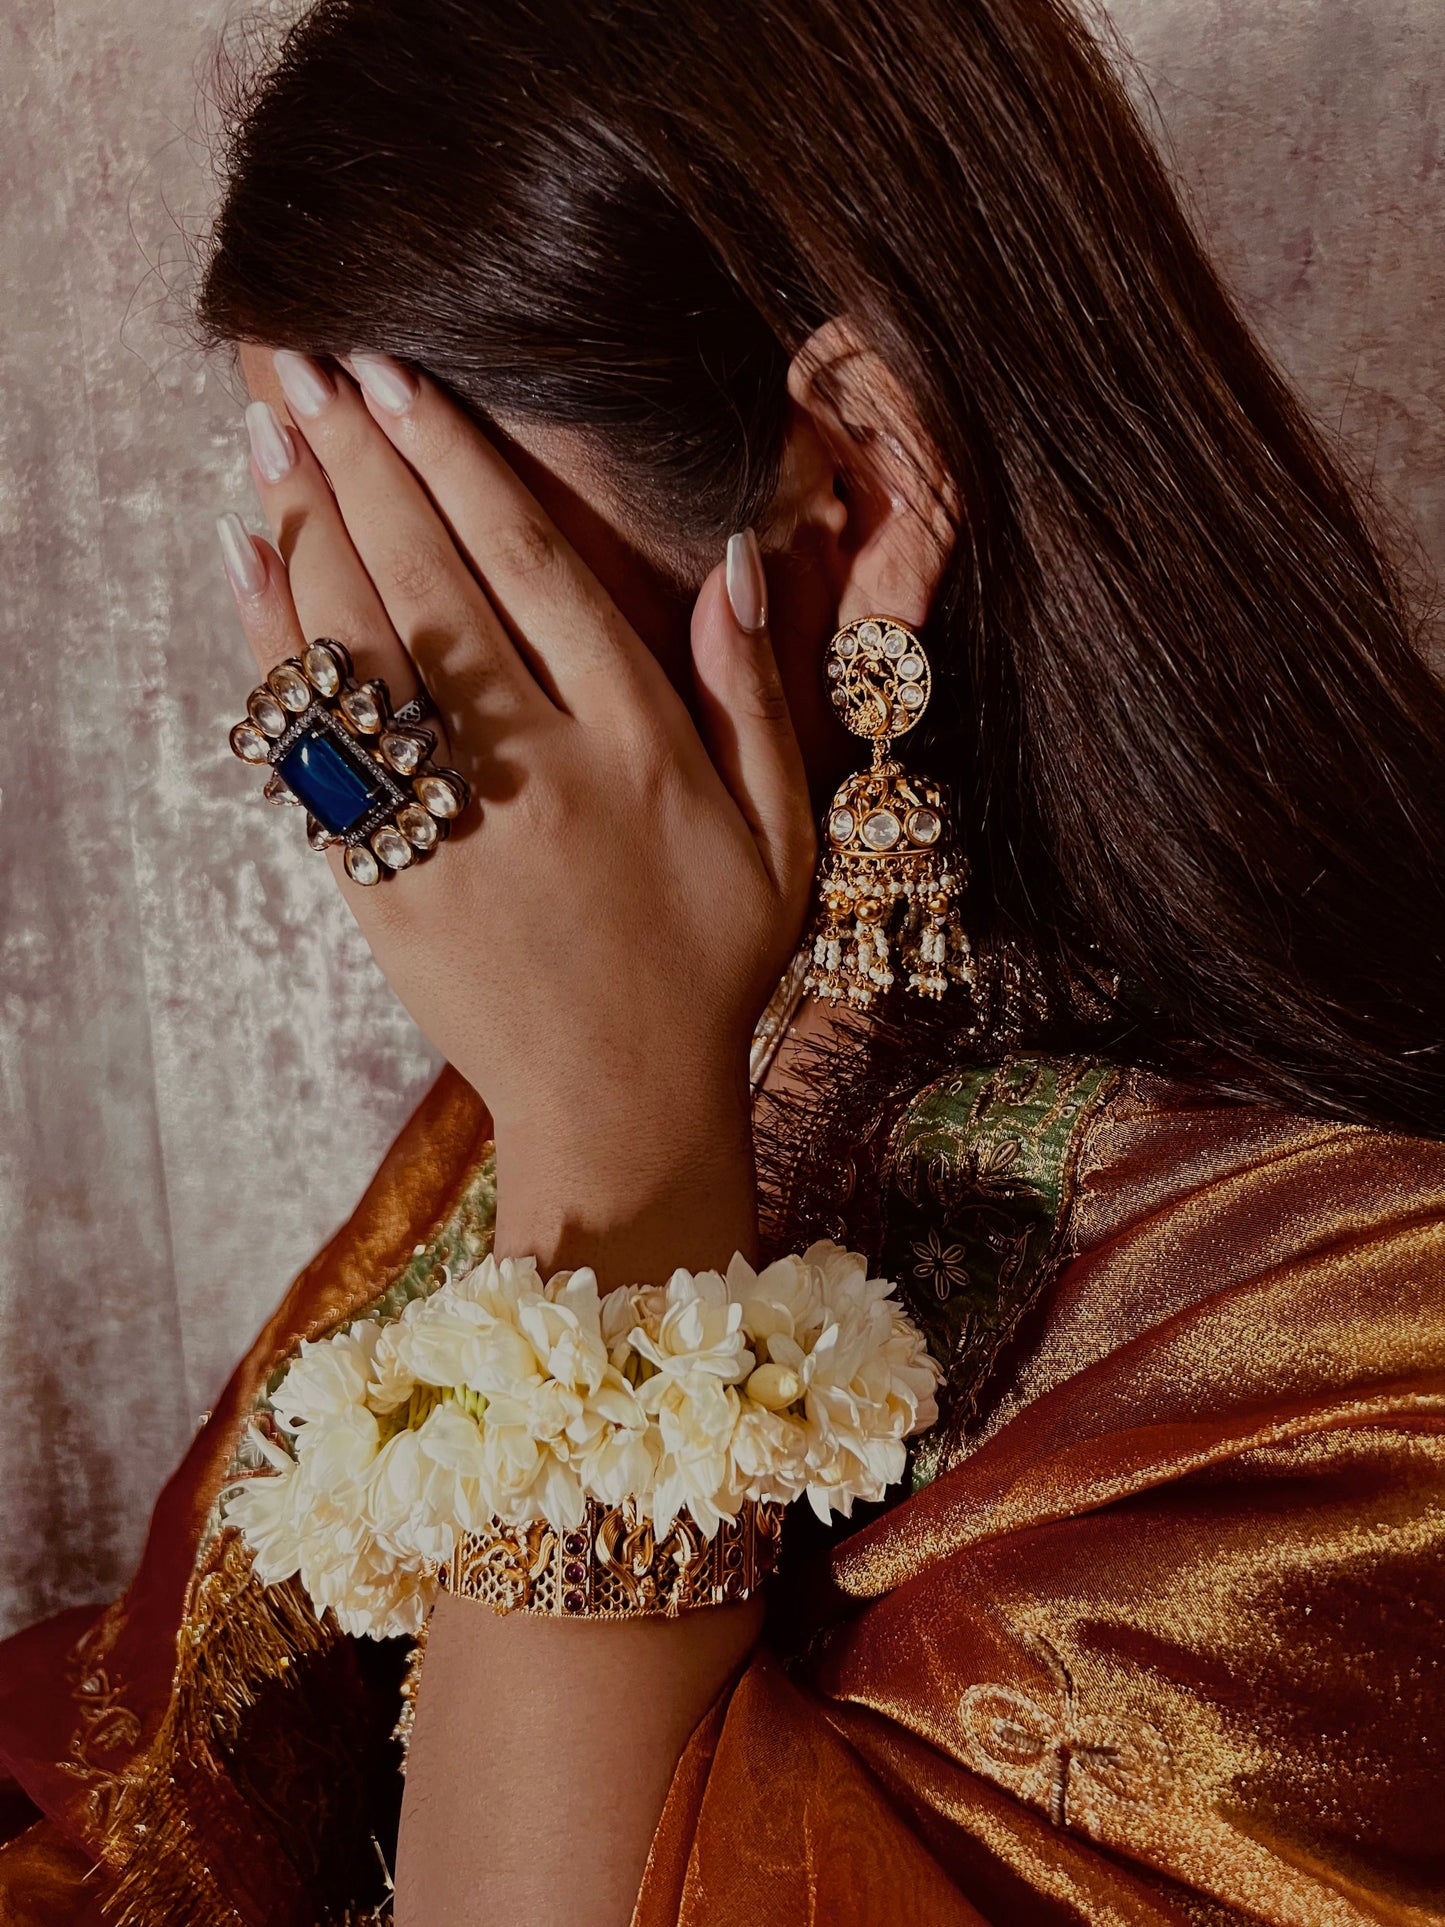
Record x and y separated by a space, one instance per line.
362 773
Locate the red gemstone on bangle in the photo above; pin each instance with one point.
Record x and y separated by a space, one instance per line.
573 1601
574 1544
574 1572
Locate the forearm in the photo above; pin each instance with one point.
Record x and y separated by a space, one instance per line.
542 1750
541 1758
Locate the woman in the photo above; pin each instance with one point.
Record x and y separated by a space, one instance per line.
548 309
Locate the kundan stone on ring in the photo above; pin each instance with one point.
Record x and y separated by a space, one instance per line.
362 774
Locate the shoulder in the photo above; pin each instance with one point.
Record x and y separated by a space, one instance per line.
1182 1196
1044 1212
978 1183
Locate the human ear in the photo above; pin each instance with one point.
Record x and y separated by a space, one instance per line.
258 371
861 469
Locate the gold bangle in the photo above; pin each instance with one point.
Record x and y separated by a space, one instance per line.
614 1566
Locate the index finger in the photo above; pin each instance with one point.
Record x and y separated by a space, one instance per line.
541 587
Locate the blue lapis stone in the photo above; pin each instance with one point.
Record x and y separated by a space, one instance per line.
335 791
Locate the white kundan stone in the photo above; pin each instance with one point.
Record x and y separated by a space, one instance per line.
268 713
440 796
361 710
249 744
403 752
418 826
291 687
392 847
323 668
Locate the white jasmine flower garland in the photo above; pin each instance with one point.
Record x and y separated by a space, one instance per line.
504 1397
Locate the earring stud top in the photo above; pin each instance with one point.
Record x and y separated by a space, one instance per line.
878 677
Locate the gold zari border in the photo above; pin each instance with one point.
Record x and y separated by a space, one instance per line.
237 1635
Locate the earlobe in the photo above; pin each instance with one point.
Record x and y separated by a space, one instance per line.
899 505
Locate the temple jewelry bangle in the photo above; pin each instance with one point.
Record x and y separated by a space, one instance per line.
361 772
614 1565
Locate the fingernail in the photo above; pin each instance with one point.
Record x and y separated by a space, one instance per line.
244 567
389 384
746 584
272 449
304 382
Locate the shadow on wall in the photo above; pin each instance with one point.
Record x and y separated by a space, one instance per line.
1310 142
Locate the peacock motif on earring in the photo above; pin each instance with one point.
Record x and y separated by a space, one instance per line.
889 872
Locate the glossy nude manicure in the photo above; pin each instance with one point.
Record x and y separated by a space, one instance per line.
304 382
272 449
390 385
747 586
245 569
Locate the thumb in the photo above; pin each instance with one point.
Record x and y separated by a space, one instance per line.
744 716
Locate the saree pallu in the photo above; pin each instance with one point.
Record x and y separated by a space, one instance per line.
1156 1636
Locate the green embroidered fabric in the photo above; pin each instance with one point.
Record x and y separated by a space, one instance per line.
460 1242
978 1181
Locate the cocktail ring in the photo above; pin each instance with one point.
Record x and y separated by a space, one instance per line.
361 773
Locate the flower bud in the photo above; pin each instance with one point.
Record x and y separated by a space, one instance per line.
774 1387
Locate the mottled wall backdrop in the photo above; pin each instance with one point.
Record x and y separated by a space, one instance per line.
200 1065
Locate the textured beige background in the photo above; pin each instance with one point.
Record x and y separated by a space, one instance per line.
199 1064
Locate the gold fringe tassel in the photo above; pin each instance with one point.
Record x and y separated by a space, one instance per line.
236 1636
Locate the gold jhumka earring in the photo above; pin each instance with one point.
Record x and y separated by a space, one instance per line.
889 872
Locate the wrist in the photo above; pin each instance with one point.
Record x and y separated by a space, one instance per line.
632 1184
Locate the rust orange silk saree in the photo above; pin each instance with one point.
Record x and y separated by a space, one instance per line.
1158 1634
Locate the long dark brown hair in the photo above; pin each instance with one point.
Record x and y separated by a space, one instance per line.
1190 737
